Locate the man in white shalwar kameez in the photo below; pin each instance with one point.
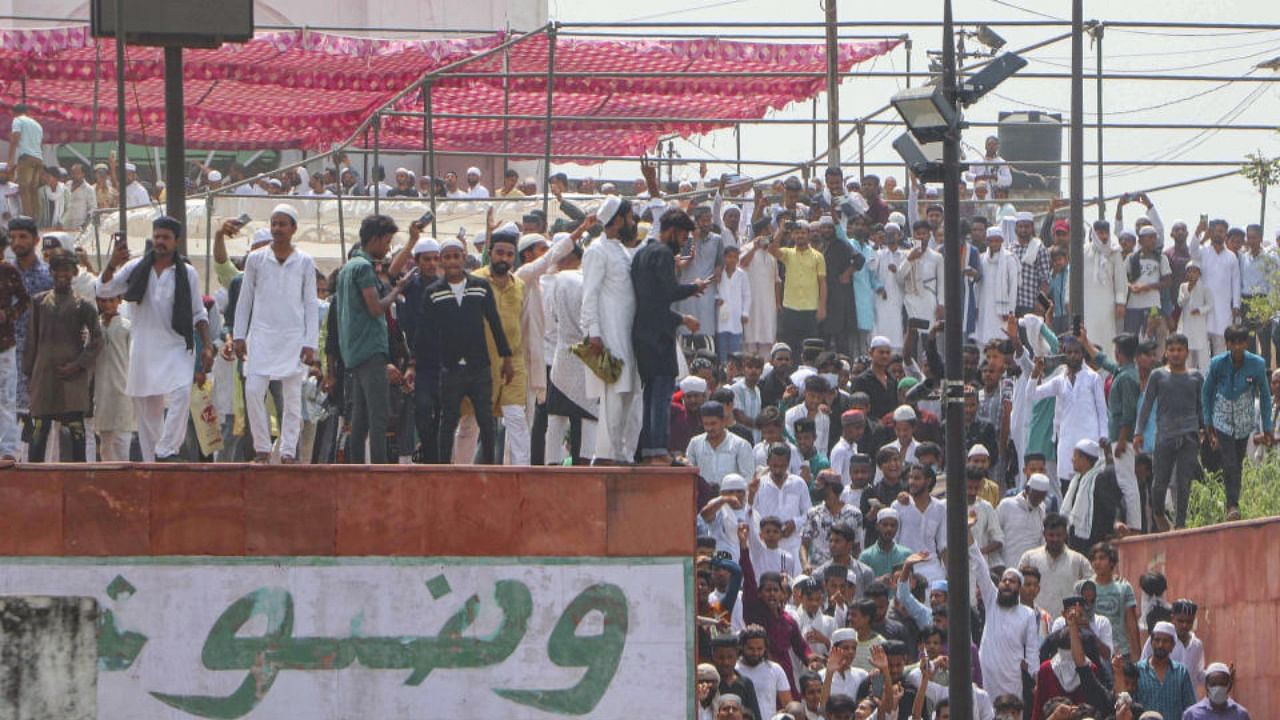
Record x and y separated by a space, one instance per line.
1102 294
537 259
1220 272
568 373
608 312
921 278
998 289
762 276
1080 409
161 359
885 264
1011 636
278 326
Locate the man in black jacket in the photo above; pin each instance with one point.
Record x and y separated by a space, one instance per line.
457 307
653 274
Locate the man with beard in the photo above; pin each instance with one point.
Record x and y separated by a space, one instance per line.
922 521
1164 685
804 292
653 334
1081 409
885 492
1033 276
1220 272
771 681
425 374
1022 518
725 654
1010 638
608 314
1060 567
36 278
698 254
840 325
167 312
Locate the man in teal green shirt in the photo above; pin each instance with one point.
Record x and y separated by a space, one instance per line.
886 553
362 337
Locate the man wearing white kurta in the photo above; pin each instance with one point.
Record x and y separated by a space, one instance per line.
921 278
161 360
278 324
998 289
1010 638
1220 272
536 260
885 264
135 195
608 312
1102 294
1080 410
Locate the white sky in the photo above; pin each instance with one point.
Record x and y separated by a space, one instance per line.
1175 52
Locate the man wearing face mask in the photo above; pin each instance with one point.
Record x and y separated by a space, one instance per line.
653 333
1217 702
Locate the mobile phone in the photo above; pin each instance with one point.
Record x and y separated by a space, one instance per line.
1204 218
243 220
1044 300
426 219
119 239
1075 326
918 324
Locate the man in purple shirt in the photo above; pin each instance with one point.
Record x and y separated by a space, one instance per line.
1217 702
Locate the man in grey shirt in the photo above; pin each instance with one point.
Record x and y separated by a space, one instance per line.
1178 423
701 260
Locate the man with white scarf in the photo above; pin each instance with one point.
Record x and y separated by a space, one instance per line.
608 313
277 332
1011 637
998 290
1080 410
1033 275
884 263
1094 503
1104 297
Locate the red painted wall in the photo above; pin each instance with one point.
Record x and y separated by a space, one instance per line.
218 509
1232 572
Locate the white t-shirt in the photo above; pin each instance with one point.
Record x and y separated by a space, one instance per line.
846 683
459 289
769 679
1151 269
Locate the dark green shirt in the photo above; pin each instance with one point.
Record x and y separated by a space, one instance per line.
360 335
1122 407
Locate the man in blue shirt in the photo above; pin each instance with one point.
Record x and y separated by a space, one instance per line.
1163 684
1235 379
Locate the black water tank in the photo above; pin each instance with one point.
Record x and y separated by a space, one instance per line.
1032 143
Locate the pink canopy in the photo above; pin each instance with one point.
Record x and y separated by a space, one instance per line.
309 90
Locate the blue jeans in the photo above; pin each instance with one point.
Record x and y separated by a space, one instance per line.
656 432
727 344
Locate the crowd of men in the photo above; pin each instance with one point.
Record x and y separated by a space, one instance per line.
784 340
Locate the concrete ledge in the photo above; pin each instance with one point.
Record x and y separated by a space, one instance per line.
1232 571
344 510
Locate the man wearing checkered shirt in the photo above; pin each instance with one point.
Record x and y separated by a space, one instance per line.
1033 259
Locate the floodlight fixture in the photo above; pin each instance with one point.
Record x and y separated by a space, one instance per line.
985 80
924 160
926 111
989 37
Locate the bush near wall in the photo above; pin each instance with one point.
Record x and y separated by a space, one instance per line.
1259 494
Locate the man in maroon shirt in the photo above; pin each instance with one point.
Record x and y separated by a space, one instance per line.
764 604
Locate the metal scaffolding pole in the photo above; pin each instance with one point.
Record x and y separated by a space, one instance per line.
833 84
429 136
1076 289
506 105
376 190
1102 208
546 153
122 151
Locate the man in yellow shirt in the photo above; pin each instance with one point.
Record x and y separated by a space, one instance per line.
509 293
804 290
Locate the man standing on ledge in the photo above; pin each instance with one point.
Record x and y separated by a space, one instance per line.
653 275
608 313
278 327
167 312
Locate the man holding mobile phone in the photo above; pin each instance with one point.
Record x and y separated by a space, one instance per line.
804 293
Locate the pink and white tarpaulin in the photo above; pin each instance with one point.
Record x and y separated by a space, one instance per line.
310 90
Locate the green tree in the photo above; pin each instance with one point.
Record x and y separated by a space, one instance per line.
1263 173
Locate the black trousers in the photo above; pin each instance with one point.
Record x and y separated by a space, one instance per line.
476 384
426 417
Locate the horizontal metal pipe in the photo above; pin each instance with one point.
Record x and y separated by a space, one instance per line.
781 163
799 121
699 75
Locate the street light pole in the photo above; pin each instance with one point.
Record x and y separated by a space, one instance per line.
960 689
833 85
1076 286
